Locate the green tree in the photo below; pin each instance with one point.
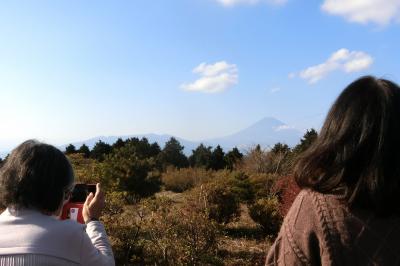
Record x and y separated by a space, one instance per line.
118 144
84 150
70 149
100 150
217 159
172 154
238 183
280 148
309 137
201 157
142 147
232 158
1 161
126 170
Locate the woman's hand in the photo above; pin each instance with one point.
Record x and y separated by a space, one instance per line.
93 205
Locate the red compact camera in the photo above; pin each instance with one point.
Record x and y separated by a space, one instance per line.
73 208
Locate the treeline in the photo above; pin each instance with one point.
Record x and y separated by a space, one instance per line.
171 155
137 166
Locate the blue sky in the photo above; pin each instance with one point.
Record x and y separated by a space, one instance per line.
197 69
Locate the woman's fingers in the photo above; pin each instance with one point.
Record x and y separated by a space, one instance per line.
98 188
94 204
89 198
99 192
86 207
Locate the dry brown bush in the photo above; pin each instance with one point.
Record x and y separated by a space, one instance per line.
181 235
258 160
179 180
159 231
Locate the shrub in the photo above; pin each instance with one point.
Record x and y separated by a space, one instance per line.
222 201
159 231
266 213
86 170
180 235
287 189
124 225
276 161
257 160
238 182
116 201
125 233
179 180
263 184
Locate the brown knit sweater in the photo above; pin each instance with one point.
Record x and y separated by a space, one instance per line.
319 229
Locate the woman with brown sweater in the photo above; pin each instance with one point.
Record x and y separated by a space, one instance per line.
348 212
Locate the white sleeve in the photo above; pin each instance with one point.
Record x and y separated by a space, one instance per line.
96 249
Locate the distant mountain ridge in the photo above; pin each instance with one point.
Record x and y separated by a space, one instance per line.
266 132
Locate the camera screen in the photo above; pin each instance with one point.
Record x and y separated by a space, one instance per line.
91 188
79 193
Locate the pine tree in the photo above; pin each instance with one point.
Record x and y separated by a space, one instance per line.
232 158
201 157
118 144
84 150
126 170
309 137
217 159
70 149
100 150
280 148
172 154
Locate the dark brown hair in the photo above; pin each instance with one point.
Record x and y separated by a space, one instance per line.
35 175
358 148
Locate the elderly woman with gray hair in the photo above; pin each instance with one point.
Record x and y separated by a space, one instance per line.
35 182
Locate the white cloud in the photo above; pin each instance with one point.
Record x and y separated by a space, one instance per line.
229 3
380 12
214 78
341 60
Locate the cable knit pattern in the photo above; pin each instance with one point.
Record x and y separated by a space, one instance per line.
320 229
330 235
294 246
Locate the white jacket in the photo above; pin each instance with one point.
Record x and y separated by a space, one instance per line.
28 237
